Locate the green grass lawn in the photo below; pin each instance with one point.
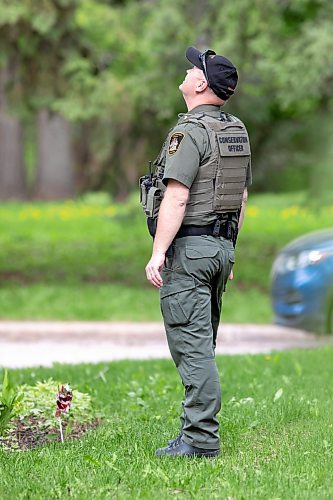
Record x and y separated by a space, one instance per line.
102 302
272 447
85 259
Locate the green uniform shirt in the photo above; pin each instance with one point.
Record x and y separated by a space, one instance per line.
189 148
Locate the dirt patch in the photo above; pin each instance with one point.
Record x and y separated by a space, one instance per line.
31 432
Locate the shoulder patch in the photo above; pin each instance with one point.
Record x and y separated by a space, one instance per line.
175 141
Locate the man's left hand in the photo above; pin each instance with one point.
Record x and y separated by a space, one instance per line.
154 267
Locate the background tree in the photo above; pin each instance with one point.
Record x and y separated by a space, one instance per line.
12 171
112 70
37 38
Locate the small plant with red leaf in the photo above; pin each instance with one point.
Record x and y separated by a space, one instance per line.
63 401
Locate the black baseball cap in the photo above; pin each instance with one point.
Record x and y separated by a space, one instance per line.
220 73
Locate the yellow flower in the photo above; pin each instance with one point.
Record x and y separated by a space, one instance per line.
65 215
290 212
34 213
111 211
252 211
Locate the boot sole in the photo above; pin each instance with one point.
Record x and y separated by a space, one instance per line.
206 454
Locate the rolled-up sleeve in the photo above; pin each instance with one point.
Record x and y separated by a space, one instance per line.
182 157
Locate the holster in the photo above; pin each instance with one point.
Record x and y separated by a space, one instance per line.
152 225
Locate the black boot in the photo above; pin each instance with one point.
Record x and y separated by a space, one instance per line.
171 441
178 448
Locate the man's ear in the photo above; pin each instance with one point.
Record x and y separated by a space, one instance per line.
201 86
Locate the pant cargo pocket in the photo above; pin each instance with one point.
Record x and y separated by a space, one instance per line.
178 300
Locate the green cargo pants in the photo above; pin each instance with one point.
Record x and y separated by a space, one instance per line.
191 298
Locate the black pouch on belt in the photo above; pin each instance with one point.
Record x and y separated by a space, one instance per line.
152 225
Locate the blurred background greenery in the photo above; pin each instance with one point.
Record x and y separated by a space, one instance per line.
88 91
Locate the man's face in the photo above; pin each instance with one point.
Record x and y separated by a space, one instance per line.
193 79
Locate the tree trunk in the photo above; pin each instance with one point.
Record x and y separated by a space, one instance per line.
12 171
320 145
55 170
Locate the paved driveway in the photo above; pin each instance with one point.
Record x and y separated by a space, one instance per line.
25 344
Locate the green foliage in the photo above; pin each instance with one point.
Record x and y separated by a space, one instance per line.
321 191
32 410
40 37
114 68
276 433
38 401
9 400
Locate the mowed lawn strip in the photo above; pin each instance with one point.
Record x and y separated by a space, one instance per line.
276 433
109 302
85 259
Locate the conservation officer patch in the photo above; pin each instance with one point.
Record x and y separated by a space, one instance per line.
175 141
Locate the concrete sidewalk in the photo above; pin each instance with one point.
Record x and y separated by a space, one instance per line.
42 343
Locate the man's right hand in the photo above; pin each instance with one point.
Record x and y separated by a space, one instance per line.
154 267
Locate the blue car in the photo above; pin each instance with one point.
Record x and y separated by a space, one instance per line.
302 283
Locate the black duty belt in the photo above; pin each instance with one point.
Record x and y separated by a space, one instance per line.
218 228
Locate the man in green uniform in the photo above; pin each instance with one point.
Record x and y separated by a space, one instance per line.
195 204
